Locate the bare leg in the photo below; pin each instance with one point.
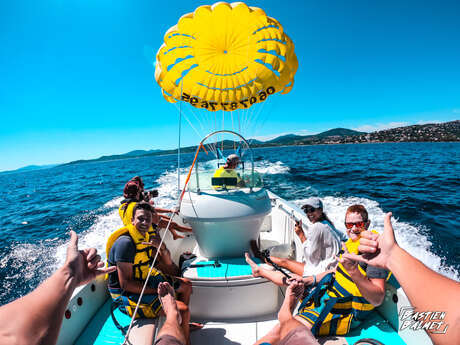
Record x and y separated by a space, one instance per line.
183 293
185 290
287 322
275 276
272 337
164 221
293 293
292 265
181 228
172 325
185 314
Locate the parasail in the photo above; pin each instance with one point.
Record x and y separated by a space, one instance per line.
225 57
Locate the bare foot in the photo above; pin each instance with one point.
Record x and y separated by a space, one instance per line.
175 235
254 267
293 292
168 302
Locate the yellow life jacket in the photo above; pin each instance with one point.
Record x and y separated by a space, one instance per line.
336 302
225 173
143 257
141 266
126 212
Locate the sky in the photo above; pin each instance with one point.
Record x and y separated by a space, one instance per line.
77 76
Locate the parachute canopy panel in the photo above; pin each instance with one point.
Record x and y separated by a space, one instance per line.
225 57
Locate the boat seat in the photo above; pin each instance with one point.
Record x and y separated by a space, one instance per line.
375 327
101 329
219 282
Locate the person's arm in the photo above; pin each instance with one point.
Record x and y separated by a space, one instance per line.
299 231
316 278
372 289
165 263
426 289
164 210
36 318
127 283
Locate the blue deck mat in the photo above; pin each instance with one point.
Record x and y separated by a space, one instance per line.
101 330
375 327
230 267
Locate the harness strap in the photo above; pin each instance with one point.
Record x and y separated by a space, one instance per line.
324 312
115 304
318 292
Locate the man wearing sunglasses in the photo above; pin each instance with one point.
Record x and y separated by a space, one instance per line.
351 293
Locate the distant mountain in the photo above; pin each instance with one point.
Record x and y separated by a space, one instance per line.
338 132
284 139
448 131
137 153
293 139
30 168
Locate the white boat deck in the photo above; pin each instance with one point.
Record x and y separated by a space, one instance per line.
232 333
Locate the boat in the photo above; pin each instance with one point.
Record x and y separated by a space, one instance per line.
235 307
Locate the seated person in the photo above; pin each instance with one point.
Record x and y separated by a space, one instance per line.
355 289
320 247
228 171
131 249
348 293
133 193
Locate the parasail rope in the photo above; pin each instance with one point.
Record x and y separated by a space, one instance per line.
178 148
188 120
190 171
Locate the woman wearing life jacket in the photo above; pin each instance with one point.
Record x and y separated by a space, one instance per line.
320 247
342 300
133 192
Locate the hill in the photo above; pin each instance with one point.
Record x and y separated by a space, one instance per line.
433 132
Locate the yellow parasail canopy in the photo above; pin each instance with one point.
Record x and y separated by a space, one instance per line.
225 57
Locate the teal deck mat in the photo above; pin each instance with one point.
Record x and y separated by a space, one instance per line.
101 330
230 267
375 327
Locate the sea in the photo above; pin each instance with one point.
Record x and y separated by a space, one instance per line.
418 182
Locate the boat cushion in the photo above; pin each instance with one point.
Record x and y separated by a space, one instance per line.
226 268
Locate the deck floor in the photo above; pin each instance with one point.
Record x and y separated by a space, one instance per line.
232 333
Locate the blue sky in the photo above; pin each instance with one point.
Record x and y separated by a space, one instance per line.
77 77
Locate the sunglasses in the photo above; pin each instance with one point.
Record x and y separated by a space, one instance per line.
308 209
357 224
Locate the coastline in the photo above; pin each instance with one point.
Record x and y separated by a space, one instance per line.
167 153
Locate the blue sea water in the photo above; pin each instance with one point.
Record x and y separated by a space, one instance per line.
418 182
